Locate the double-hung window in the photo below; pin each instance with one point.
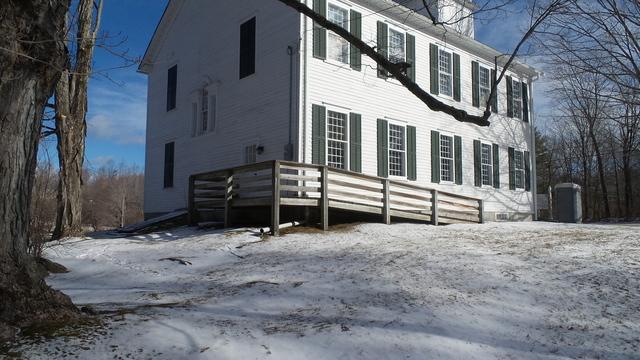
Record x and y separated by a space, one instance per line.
337 139
397 150
195 130
445 68
446 158
517 99
487 164
338 47
397 48
204 113
484 83
518 160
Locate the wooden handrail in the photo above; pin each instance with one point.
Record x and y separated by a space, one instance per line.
242 168
276 175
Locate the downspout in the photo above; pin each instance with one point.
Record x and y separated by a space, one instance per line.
534 175
303 53
288 151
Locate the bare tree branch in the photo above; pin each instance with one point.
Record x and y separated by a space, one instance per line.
398 70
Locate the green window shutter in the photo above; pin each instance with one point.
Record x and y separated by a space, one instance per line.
411 57
496 166
355 142
509 97
383 148
320 33
356 30
434 69
412 173
475 84
318 134
457 158
525 102
382 45
456 77
477 163
512 169
527 171
494 98
435 157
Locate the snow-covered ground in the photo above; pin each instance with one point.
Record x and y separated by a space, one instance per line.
371 291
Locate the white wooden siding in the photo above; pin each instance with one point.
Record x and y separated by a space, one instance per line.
364 93
204 43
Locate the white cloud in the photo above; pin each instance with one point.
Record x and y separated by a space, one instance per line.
100 161
117 113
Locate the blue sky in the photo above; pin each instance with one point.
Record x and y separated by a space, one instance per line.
117 112
117 107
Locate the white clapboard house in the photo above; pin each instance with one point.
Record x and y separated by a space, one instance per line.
234 82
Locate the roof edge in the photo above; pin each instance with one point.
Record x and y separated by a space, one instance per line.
168 16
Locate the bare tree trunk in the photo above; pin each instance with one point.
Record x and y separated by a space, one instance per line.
29 69
603 183
70 134
585 183
614 157
71 125
628 190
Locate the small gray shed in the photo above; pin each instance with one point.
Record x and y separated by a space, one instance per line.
567 203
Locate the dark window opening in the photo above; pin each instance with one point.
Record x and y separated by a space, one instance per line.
169 149
248 48
172 83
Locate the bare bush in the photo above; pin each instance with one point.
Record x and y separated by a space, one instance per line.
43 205
113 196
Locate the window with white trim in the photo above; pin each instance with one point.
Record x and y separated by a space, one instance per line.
446 158
337 139
487 164
445 68
194 118
204 112
338 47
397 48
517 99
397 150
484 84
518 161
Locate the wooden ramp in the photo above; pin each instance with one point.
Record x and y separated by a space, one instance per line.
155 223
278 183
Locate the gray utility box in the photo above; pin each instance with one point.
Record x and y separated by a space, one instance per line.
567 203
